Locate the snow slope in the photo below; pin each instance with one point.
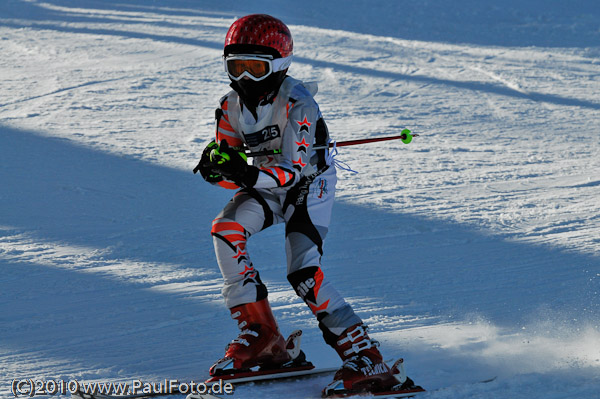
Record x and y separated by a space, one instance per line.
473 252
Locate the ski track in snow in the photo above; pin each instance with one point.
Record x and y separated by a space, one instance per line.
473 252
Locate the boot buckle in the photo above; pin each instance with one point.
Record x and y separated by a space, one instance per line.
353 335
359 346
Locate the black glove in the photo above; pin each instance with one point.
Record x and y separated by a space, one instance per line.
205 166
233 165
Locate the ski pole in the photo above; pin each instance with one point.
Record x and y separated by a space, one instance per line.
406 138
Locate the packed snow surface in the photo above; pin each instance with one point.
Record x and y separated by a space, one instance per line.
473 252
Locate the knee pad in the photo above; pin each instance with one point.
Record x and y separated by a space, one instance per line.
310 285
332 311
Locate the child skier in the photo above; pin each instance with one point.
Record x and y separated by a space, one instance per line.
295 185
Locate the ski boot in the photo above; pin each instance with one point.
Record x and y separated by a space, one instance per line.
259 343
364 370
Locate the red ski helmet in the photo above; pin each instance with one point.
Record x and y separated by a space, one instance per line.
259 33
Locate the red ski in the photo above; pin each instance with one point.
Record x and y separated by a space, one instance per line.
264 375
402 393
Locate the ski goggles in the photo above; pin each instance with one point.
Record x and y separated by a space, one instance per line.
255 67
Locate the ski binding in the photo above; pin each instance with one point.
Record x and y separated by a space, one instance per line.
297 367
405 388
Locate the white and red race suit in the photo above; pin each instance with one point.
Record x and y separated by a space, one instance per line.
295 187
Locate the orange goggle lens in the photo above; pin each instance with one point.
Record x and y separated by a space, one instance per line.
256 68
